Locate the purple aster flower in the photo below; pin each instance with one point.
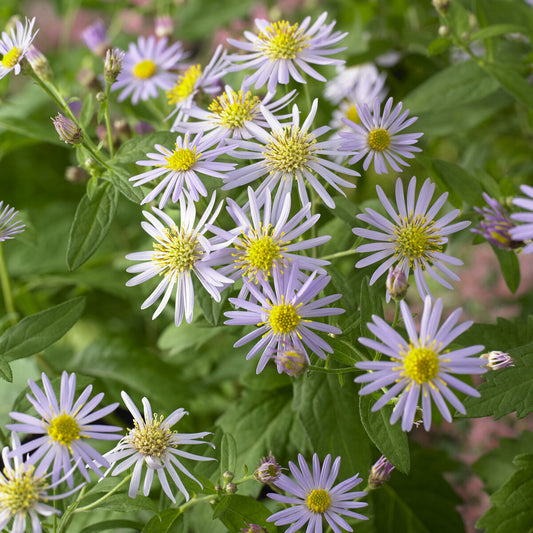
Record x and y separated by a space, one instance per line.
524 232
497 360
67 129
380 473
24 491
268 470
96 39
14 46
9 225
65 428
288 152
146 69
284 314
179 251
281 51
414 239
396 283
152 443
376 137
314 497
496 225
177 170
420 367
291 361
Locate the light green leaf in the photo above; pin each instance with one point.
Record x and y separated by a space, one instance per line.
125 504
235 511
228 453
119 178
164 522
496 30
5 370
136 149
512 82
438 46
459 180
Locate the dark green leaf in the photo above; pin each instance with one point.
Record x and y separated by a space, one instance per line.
369 304
164 522
5 370
228 453
459 180
119 178
235 511
125 504
91 224
510 267
512 82
111 525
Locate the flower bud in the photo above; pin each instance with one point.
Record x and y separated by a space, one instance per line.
292 361
396 283
39 63
218 489
253 528
227 476
67 130
113 64
380 473
164 26
497 360
444 31
442 6
100 96
268 470
231 488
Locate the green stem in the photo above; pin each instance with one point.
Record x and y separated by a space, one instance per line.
333 370
396 314
103 498
339 254
6 289
194 501
108 120
244 479
67 515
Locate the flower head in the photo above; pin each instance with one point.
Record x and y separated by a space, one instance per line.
39 63
497 360
284 314
396 283
314 497
14 46
268 470
152 443
414 239
420 367
292 361
66 428
380 473
96 39
9 225
282 50
179 252
146 69
67 130
376 137
113 64
524 232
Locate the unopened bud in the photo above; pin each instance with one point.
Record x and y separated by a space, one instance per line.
253 528
268 470
292 361
113 64
218 488
76 175
231 488
164 27
396 283
100 96
39 63
227 476
67 130
380 473
444 31
497 360
442 6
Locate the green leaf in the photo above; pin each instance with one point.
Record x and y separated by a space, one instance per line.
211 309
516 85
346 210
235 511
136 149
125 504
496 30
91 224
163 522
389 439
228 453
370 304
87 110
459 180
510 267
342 352
438 46
36 332
512 510
32 129
119 178
5 370
109 525
506 390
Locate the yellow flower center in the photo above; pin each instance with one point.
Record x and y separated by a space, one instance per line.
64 429
145 69
21 492
353 115
151 439
318 501
182 159
185 85
289 150
176 252
421 364
417 239
234 109
11 58
281 40
284 319
378 139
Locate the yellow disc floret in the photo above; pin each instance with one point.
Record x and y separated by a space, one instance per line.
185 85
64 429
181 159
145 69
421 364
152 438
290 150
22 490
284 319
378 139
352 114
318 501
282 40
233 109
176 252
11 58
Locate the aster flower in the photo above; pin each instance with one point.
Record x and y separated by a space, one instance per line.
396 283
96 39
420 367
268 470
9 225
282 51
24 491
284 315
152 443
67 130
145 69
496 225
291 361
288 152
414 239
65 428
113 64
14 45
314 497
179 252
177 170
524 232
376 137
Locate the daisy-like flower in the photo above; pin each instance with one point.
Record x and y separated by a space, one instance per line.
24 491
65 428
376 137
230 114
179 252
9 225
282 50
146 69
182 93
152 443
14 45
284 315
177 170
420 367
288 152
314 497
524 232
265 242
414 239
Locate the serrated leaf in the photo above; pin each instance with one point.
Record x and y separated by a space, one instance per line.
510 267
135 149
91 223
389 439
111 525
228 453
36 332
516 85
236 511
163 522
